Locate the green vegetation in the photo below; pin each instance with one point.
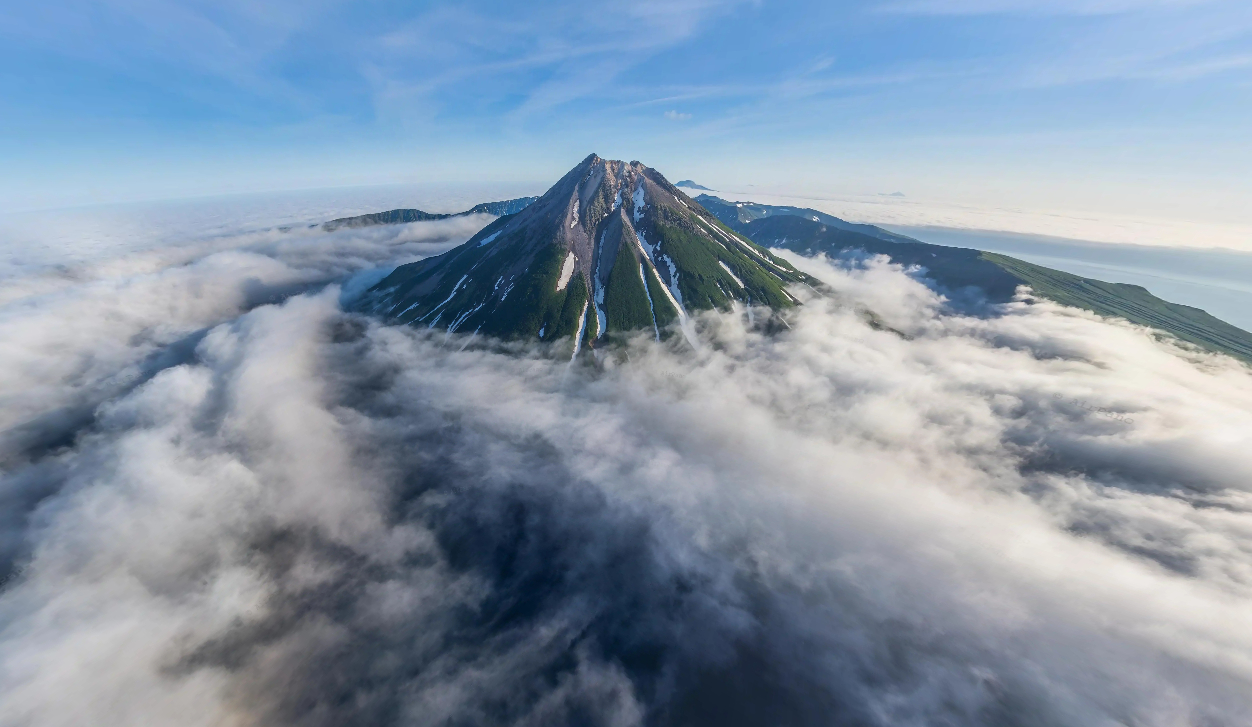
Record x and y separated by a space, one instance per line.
998 277
535 304
702 280
661 307
566 324
507 288
696 259
625 300
466 285
760 249
1131 302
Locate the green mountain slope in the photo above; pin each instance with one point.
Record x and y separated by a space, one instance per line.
738 215
1132 302
998 276
612 247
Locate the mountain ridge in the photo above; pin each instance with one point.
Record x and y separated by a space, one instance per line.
404 216
998 277
738 214
612 247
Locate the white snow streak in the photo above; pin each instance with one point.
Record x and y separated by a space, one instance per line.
490 238
406 310
643 245
578 337
567 271
731 273
746 246
455 288
673 283
455 324
675 298
643 276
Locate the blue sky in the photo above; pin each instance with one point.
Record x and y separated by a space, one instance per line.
1124 106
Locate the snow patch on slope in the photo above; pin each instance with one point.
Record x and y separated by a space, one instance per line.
643 245
567 271
457 323
490 238
638 199
675 298
731 273
455 288
675 293
578 337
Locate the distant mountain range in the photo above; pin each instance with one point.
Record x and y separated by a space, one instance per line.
396 217
613 247
688 184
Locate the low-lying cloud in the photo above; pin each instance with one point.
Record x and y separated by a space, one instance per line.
269 511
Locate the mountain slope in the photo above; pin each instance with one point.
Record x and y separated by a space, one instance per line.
953 268
998 277
1132 302
737 215
611 247
403 216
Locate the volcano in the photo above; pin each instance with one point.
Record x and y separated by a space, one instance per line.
611 248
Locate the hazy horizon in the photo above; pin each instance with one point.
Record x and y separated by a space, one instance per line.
1117 110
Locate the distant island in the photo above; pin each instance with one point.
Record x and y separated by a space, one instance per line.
692 185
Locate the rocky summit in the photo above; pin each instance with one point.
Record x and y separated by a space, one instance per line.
612 247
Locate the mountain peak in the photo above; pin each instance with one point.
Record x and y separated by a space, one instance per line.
611 247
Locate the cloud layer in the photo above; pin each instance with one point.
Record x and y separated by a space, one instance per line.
268 511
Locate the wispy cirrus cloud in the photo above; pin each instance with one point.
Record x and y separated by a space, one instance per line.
549 55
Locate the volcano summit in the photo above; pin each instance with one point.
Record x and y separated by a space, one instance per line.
612 247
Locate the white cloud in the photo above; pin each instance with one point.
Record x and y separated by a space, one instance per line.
676 116
888 511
